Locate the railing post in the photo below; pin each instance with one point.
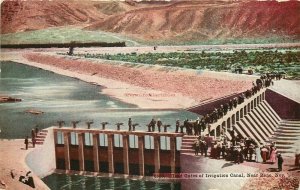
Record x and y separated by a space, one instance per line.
141 155
233 119
96 152
110 152
241 113
125 154
215 133
67 150
173 154
81 151
225 127
157 154
228 123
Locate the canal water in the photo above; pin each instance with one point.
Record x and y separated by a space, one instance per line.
64 98
74 182
69 99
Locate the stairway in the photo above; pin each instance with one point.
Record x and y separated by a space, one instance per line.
287 137
187 144
40 138
259 124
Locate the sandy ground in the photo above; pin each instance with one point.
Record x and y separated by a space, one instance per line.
142 97
203 164
153 87
12 157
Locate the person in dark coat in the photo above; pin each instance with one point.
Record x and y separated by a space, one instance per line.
159 124
181 128
32 133
196 146
26 142
33 142
280 162
177 126
129 124
152 124
223 150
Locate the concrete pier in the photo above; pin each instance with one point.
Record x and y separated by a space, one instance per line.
115 158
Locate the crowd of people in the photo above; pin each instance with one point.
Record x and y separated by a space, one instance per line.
196 127
238 150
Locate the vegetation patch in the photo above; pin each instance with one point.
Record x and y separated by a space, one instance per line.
285 61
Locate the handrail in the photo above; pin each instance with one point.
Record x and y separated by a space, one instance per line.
111 131
230 113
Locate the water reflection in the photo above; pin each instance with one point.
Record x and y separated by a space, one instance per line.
62 181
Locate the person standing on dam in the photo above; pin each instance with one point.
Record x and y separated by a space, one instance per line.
152 124
177 126
26 142
33 137
129 124
159 124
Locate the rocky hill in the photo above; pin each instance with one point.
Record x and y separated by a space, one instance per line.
207 20
176 21
18 16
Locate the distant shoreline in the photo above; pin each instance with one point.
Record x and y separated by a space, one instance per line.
148 87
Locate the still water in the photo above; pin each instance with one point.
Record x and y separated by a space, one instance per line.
64 98
74 182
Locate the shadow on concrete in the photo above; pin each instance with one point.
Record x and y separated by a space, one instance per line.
272 169
227 165
294 169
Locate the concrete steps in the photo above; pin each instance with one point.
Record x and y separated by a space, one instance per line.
287 131
40 138
286 137
187 144
284 146
261 121
296 125
292 122
250 133
262 128
267 118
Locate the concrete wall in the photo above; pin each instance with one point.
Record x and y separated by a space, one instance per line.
165 155
284 107
42 159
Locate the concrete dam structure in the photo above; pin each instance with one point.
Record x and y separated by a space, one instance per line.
122 158
143 153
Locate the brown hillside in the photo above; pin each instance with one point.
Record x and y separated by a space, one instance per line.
19 16
203 20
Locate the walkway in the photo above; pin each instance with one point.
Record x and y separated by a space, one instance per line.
12 157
